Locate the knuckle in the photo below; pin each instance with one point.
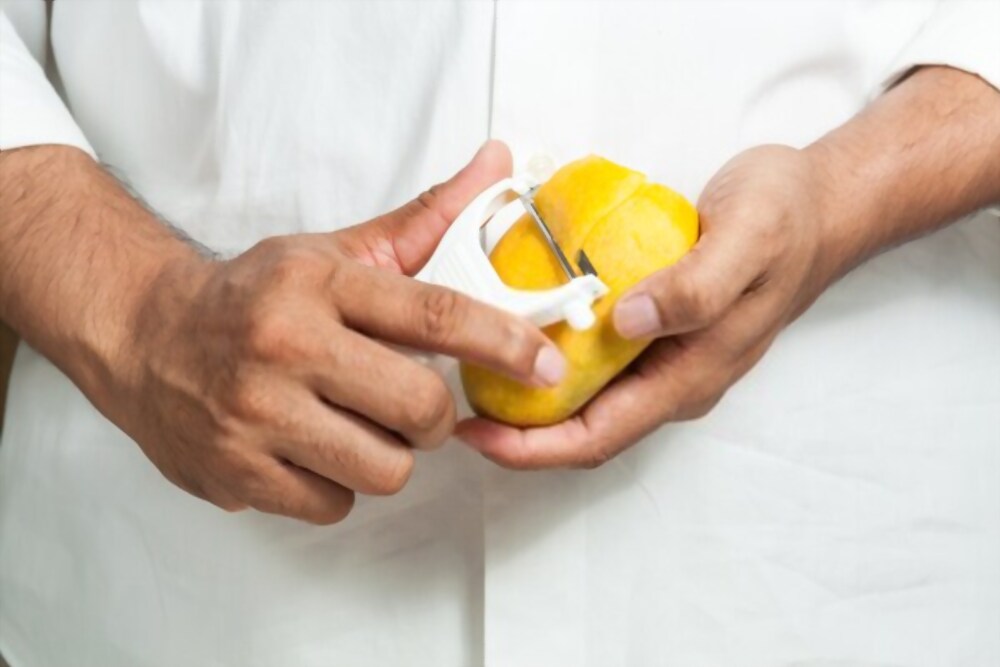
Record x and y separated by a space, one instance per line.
271 337
702 397
279 264
695 302
270 247
249 401
285 269
336 455
230 417
332 512
429 201
292 262
440 310
517 350
516 460
229 504
250 483
595 457
278 504
391 480
220 499
430 409
699 408
187 483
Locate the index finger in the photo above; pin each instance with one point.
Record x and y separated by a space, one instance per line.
436 319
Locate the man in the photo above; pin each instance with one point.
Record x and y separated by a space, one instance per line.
838 508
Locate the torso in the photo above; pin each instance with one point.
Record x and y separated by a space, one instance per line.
841 499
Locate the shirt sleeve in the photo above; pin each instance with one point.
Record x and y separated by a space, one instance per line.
964 34
31 112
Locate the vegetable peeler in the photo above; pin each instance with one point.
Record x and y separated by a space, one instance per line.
460 261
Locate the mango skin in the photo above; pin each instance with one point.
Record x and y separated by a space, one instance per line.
629 229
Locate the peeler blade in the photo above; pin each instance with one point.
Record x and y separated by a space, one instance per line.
585 264
527 199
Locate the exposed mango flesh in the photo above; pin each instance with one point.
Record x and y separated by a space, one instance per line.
629 229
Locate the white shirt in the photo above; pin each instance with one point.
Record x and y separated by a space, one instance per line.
841 506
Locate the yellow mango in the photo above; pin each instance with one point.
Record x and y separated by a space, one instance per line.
629 228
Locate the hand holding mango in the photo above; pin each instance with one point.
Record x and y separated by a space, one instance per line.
629 228
771 237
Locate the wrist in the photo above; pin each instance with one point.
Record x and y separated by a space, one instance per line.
107 273
844 218
919 157
157 305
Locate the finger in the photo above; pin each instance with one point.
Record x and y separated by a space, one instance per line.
282 488
557 446
673 383
624 411
206 486
436 319
407 236
391 390
344 448
694 292
620 415
675 380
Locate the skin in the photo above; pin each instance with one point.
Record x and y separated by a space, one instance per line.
779 226
260 381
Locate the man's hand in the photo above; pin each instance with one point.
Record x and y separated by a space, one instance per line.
779 225
266 381
715 312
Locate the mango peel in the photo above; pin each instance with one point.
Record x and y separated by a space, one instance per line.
629 228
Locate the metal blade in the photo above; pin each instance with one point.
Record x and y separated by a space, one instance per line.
529 205
585 264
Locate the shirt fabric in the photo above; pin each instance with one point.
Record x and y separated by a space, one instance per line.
840 506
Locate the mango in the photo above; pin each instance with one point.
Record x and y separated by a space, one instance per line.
629 228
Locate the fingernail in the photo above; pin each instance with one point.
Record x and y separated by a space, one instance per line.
637 316
550 367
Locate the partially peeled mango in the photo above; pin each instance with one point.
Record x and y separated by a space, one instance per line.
628 228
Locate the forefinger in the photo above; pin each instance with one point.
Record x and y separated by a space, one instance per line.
435 319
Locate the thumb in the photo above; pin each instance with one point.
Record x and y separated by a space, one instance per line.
691 294
406 237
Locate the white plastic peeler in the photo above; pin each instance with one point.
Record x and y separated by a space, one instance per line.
461 262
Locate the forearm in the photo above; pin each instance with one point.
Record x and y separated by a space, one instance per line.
77 255
924 154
